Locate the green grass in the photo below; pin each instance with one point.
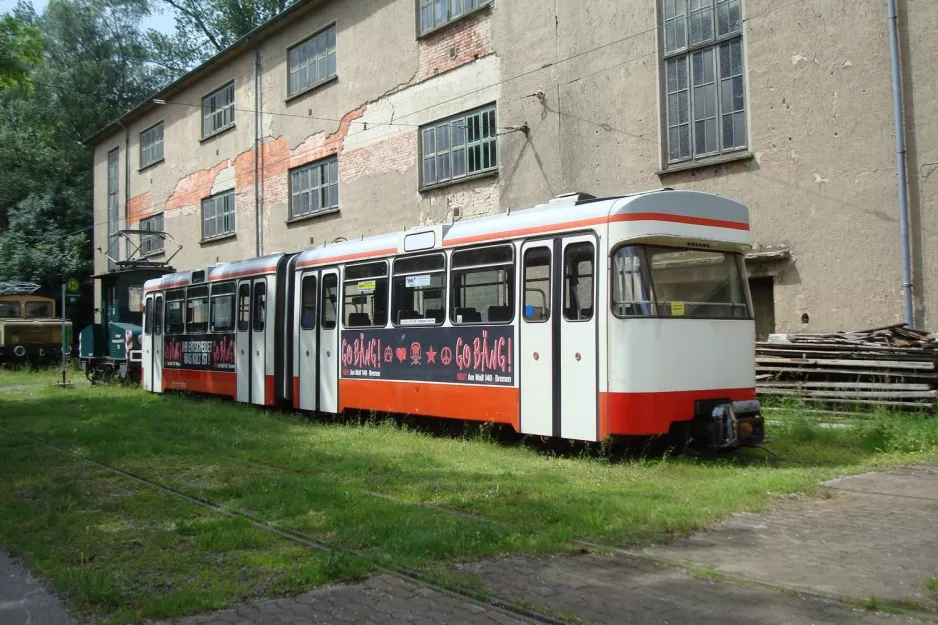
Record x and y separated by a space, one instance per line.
931 585
381 493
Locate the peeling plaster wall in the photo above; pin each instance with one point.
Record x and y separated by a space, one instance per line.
584 76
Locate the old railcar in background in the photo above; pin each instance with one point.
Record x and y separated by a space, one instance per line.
30 333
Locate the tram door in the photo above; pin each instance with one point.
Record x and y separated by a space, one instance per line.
537 339
558 338
259 341
157 356
147 363
307 357
243 342
329 341
578 350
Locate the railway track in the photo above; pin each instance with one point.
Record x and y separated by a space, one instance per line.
506 606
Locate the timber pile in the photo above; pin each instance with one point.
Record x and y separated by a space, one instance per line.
892 366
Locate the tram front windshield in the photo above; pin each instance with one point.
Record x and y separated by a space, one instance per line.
656 281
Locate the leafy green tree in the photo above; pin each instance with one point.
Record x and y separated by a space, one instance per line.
206 27
20 49
94 67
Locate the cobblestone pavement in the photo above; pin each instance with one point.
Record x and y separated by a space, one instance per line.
377 600
876 536
24 600
621 590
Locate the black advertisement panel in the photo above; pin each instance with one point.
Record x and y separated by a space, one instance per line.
203 352
467 355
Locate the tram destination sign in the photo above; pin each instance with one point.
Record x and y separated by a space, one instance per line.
203 352
467 355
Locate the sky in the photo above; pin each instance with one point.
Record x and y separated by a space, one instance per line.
163 22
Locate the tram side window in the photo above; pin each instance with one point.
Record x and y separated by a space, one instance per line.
308 303
632 295
260 306
537 284
330 295
365 295
175 322
197 310
578 282
223 307
418 290
483 288
244 307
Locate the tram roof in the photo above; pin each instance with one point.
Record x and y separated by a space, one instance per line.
666 208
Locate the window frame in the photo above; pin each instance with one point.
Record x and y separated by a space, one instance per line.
484 143
327 164
393 291
243 296
158 301
550 282
259 322
209 96
148 315
305 305
329 324
387 294
46 306
687 52
649 282
566 284
151 245
333 51
144 146
213 296
450 19
182 311
216 217
512 289
201 327
19 310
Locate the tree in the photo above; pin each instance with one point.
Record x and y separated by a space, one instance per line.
93 68
20 49
206 27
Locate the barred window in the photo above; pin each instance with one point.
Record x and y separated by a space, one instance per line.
459 147
218 215
314 187
435 13
151 145
312 61
705 99
218 110
151 244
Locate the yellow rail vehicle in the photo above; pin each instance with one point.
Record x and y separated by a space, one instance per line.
29 330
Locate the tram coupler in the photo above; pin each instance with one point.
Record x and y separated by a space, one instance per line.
732 424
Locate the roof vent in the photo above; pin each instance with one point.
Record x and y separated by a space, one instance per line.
576 196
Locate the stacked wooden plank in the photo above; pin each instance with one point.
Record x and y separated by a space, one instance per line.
892 366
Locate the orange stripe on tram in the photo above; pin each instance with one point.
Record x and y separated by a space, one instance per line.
646 414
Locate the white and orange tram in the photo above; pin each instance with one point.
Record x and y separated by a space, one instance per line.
579 319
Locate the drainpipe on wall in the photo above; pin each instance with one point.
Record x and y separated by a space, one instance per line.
900 164
257 140
126 184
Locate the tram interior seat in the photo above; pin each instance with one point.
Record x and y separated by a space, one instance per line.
403 315
499 313
435 313
469 315
356 320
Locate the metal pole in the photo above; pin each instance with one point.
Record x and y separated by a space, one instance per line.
63 334
257 141
900 164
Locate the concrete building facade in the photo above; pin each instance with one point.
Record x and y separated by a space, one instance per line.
343 119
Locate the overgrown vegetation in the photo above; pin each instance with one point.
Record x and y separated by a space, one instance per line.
379 492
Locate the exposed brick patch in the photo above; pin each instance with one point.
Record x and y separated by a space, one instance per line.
138 207
193 188
464 42
396 153
276 158
473 198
